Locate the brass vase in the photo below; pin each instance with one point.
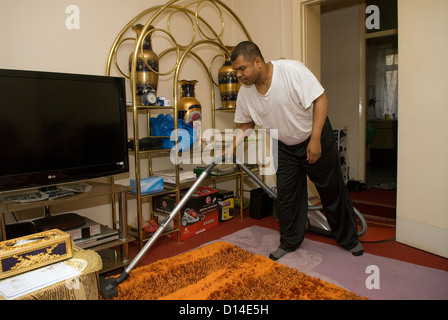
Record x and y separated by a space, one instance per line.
188 107
145 78
228 82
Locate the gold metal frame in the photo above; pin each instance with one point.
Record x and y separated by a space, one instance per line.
190 10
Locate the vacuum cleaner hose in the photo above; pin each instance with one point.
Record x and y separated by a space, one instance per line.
273 195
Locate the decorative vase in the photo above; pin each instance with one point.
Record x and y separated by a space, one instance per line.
145 78
228 82
188 108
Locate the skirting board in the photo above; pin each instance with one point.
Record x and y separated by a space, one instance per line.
422 236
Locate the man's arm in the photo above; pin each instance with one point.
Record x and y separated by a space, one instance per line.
314 149
239 138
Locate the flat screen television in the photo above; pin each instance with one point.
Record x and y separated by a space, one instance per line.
57 128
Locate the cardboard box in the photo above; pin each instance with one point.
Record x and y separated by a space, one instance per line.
199 214
33 251
226 204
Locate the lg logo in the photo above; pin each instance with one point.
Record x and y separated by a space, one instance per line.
373 21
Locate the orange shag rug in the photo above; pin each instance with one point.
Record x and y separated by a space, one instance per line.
222 271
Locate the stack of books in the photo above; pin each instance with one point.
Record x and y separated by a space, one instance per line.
169 176
219 170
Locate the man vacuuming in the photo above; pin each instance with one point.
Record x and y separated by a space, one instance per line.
285 95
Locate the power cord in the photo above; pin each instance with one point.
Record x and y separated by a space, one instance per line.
379 241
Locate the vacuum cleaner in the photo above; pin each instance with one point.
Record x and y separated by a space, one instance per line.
317 223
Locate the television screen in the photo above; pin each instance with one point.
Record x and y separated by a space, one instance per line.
57 127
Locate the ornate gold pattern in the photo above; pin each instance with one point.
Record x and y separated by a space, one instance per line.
203 34
31 240
31 260
33 251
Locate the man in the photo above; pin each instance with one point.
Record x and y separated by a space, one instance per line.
286 96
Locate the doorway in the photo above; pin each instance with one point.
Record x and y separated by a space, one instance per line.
381 80
357 82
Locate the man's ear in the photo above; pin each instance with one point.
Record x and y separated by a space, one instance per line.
258 61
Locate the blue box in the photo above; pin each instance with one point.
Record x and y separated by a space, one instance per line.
148 185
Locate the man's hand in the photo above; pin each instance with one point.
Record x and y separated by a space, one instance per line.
228 152
245 130
313 151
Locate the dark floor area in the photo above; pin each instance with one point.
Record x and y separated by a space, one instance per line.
381 169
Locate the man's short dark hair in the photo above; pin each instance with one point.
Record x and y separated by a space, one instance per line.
248 50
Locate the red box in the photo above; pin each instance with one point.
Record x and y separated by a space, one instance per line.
199 214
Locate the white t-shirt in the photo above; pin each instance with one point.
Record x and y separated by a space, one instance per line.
288 104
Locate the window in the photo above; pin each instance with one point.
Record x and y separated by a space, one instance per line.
389 85
382 78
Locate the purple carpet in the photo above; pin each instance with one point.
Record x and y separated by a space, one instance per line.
375 277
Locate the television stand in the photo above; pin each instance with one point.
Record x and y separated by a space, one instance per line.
25 197
115 253
47 193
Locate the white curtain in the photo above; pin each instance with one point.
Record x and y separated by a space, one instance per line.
387 83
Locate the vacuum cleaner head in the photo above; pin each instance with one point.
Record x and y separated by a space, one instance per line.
109 286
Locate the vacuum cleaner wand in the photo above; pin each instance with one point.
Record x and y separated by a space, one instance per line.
108 287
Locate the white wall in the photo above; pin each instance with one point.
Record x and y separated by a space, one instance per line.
340 75
34 36
269 24
422 214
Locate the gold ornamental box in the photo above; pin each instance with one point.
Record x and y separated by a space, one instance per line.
33 251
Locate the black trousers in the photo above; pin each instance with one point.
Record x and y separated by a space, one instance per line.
292 202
